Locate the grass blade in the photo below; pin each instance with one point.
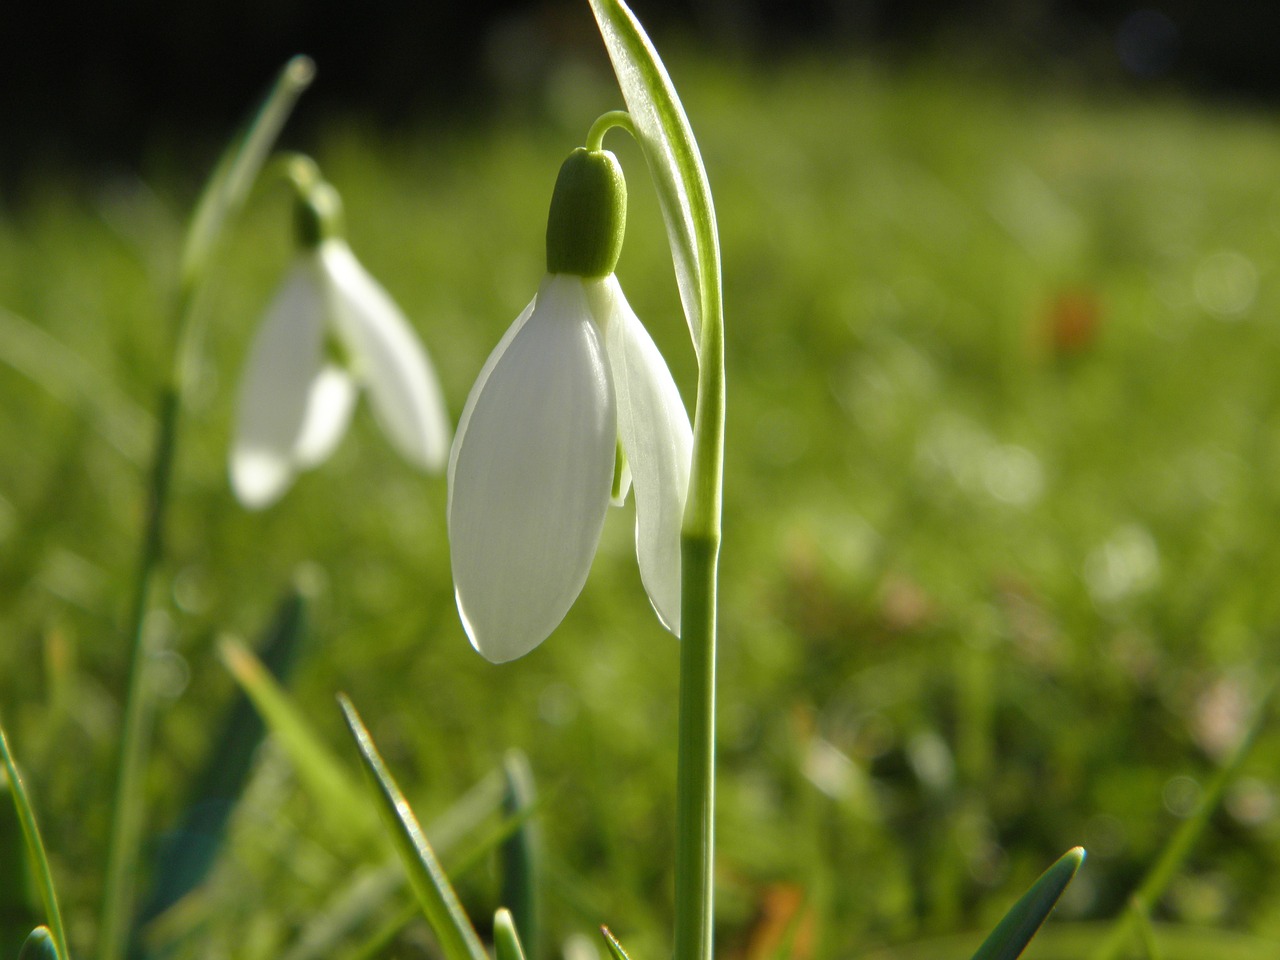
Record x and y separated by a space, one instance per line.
1184 838
506 941
339 797
1014 932
439 902
615 948
35 851
520 852
238 167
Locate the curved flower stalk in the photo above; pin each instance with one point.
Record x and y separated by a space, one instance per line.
330 331
535 463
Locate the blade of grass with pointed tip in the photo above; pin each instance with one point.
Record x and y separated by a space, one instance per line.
615 948
1184 838
17 894
238 167
675 165
506 940
520 852
39 946
339 797
1014 932
355 903
187 852
439 902
37 857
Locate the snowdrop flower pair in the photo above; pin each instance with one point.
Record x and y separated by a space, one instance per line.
330 331
573 406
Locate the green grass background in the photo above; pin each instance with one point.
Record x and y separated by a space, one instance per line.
984 597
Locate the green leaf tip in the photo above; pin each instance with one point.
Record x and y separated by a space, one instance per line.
506 941
1021 923
39 946
440 904
675 163
36 855
615 948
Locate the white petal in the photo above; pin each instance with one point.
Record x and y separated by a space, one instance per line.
390 361
285 356
531 475
478 387
329 404
658 441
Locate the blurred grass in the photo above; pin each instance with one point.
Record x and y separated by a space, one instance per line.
999 563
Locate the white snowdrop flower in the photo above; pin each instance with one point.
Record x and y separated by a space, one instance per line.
330 331
535 462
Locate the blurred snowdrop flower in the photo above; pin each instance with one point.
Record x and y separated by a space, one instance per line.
330 331
573 406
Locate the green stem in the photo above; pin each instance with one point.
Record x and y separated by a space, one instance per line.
135 734
223 197
695 771
606 122
700 557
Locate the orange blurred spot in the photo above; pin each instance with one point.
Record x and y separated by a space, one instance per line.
784 928
1073 322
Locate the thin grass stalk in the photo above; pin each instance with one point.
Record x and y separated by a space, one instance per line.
223 197
35 849
1179 847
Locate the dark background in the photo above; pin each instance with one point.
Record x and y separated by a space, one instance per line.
82 87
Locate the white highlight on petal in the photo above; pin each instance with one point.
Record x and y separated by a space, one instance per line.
286 354
531 473
391 361
655 433
330 401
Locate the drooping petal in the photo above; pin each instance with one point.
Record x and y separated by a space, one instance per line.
477 389
658 442
531 475
329 404
286 354
389 359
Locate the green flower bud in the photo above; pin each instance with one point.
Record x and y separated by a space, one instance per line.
317 215
588 215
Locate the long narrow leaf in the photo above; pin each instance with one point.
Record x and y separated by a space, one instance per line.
337 795
1014 932
238 167
520 853
671 153
367 892
439 902
35 849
